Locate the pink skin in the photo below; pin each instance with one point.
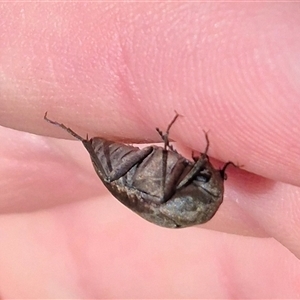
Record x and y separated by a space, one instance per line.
118 71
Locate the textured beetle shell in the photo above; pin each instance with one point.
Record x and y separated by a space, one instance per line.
140 188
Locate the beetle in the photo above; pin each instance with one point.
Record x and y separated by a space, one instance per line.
156 182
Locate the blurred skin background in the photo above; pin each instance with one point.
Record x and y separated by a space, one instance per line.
119 70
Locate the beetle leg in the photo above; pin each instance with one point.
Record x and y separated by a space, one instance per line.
197 166
222 171
164 172
128 162
194 157
69 130
165 138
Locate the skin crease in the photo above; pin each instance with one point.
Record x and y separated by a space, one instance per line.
118 71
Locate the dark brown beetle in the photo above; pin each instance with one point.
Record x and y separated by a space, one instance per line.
157 183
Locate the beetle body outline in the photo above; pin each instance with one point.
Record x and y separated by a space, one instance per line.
156 182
